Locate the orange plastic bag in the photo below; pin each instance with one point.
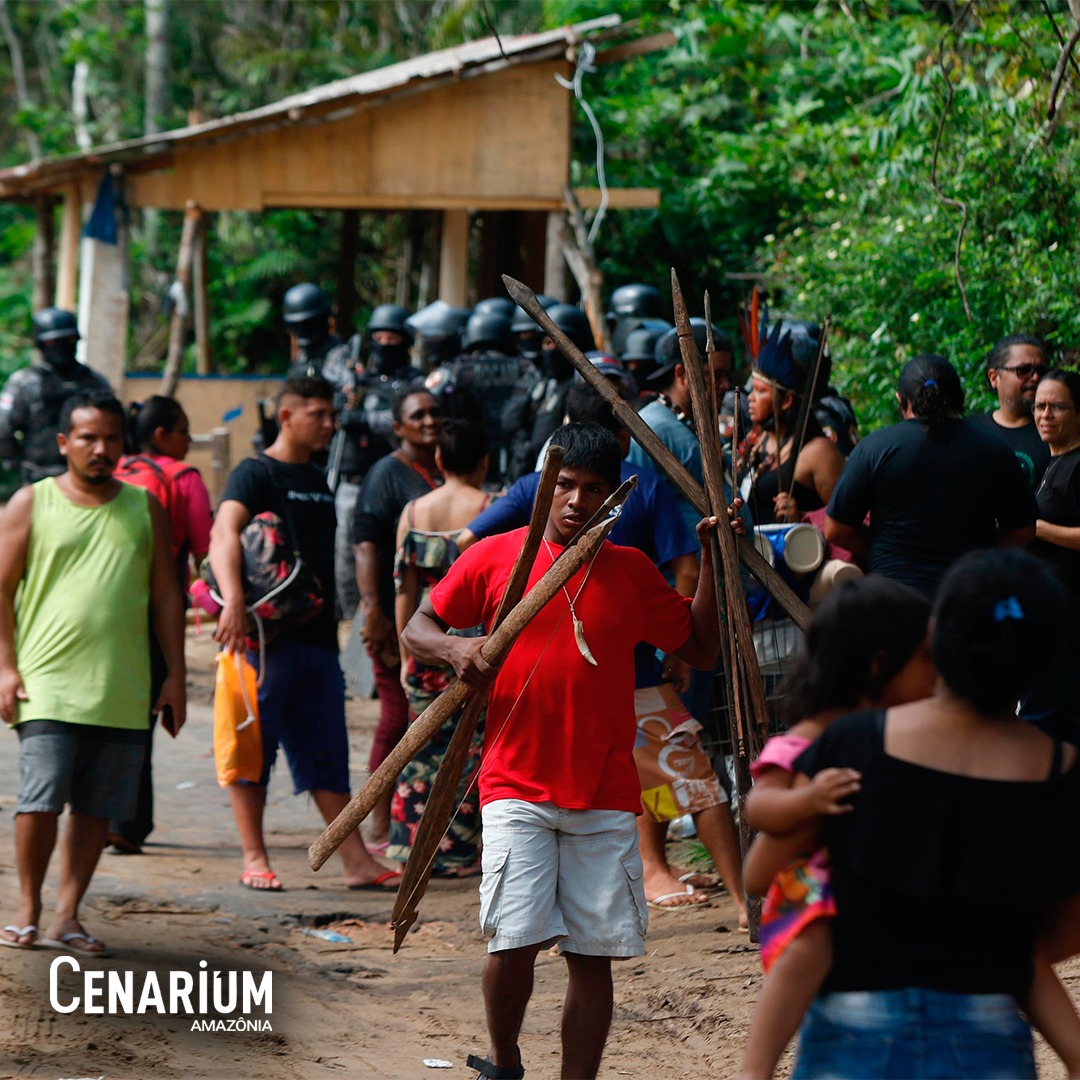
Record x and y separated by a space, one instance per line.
237 737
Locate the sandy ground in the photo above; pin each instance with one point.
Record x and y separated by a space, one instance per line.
347 1008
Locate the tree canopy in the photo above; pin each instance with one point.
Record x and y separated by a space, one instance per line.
888 162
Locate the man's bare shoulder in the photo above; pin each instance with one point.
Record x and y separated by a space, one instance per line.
19 506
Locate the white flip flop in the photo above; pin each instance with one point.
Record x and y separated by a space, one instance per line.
20 932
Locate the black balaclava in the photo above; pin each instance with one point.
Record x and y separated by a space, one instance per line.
311 333
60 354
386 359
554 365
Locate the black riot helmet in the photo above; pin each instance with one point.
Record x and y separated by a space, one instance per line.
574 323
501 305
52 324
392 317
439 326
527 333
439 320
306 311
303 303
637 301
639 352
669 353
523 322
488 330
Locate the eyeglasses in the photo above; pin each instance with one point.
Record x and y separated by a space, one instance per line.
1025 371
1055 407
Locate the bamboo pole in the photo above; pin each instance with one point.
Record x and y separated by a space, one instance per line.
451 700
440 805
668 464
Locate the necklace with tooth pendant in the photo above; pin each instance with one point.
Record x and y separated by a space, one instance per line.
579 626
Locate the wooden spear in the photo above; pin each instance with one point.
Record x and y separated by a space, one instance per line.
440 805
668 464
452 699
730 596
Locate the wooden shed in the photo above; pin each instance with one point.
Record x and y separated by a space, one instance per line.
483 127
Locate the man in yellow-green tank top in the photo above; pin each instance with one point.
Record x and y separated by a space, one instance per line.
85 569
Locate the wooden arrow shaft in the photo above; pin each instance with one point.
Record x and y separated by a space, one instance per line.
675 471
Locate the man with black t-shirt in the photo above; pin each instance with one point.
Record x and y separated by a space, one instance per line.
302 698
1013 369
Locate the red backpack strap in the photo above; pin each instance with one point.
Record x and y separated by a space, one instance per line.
144 472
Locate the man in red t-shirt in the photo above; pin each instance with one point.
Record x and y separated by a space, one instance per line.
558 785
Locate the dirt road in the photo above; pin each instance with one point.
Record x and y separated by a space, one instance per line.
339 1008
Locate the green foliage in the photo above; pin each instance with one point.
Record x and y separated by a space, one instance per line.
789 140
795 141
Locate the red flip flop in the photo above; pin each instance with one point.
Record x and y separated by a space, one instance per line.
273 883
377 883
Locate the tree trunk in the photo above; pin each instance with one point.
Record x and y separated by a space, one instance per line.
581 258
18 73
204 360
181 290
156 71
156 90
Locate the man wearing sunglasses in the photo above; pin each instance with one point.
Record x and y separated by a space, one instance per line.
1013 369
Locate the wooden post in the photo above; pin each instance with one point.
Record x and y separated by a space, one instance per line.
454 258
554 266
204 360
175 359
104 302
220 460
67 278
44 252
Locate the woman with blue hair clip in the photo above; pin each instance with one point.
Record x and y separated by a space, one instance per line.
935 485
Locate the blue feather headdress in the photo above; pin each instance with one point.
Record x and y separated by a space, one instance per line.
788 356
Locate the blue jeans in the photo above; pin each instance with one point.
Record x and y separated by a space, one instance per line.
914 1033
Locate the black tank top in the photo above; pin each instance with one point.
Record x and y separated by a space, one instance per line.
767 487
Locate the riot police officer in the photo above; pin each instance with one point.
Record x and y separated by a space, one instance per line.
527 334
440 327
639 352
31 401
478 384
536 407
387 341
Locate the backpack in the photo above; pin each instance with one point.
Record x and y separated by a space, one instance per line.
279 587
157 478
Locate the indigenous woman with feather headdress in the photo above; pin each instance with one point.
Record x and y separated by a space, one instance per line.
788 473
